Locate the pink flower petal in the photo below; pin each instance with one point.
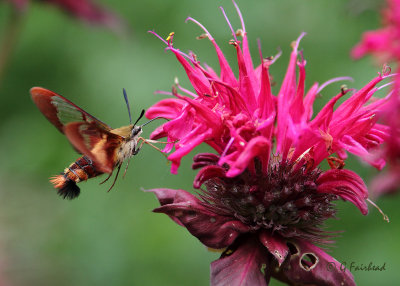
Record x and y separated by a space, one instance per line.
310 265
256 146
193 139
275 245
168 108
347 185
211 229
207 173
246 266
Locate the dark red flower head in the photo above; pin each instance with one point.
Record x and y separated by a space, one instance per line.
265 223
263 199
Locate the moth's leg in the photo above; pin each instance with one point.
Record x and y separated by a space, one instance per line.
158 149
135 151
161 142
149 142
126 168
116 176
109 176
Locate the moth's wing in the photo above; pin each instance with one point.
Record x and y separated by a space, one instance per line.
97 143
86 133
60 111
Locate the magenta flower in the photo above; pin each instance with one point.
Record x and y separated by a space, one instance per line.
265 198
384 44
86 10
389 181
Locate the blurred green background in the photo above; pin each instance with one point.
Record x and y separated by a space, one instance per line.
113 238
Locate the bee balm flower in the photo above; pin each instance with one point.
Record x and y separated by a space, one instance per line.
384 44
264 197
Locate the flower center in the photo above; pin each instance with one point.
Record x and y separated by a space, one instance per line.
284 200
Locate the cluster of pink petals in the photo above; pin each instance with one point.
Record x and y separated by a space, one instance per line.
384 44
85 10
242 119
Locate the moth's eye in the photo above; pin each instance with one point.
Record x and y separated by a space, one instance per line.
136 131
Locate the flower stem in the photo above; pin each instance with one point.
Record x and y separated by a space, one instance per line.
10 39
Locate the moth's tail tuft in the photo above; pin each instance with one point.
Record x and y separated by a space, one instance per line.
58 181
66 188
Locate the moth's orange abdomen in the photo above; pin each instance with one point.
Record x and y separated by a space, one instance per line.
81 170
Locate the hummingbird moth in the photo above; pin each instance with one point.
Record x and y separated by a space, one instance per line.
102 147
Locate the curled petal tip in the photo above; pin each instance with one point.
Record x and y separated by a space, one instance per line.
229 23
297 43
336 79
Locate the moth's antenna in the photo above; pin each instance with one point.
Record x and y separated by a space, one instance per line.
151 120
140 116
127 105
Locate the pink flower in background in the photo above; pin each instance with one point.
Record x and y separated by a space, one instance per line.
384 45
86 10
264 198
20 5
389 182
